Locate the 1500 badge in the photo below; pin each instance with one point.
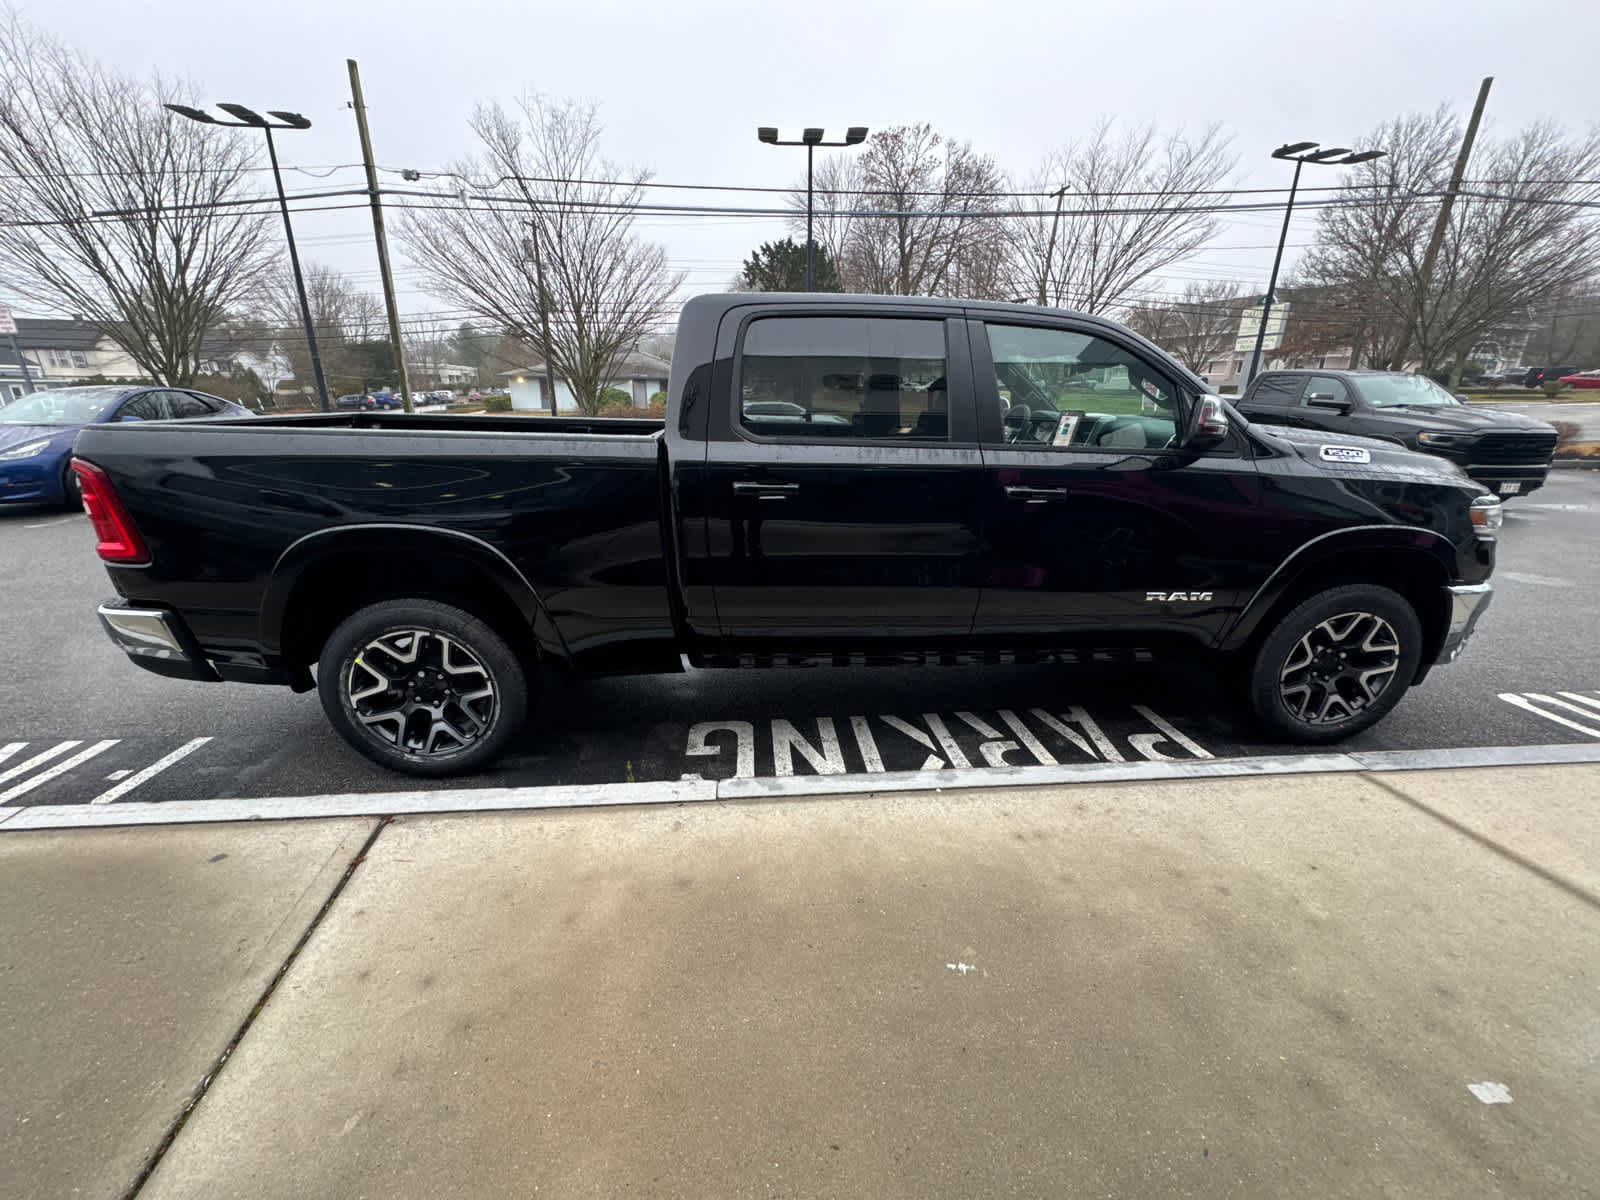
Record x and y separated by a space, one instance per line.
1346 454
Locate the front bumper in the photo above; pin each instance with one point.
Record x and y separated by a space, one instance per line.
1467 603
156 640
30 481
1509 479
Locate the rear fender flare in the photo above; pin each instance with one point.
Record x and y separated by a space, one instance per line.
1425 543
410 540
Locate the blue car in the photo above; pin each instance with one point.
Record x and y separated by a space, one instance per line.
36 432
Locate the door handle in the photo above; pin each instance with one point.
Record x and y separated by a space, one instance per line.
764 491
1036 493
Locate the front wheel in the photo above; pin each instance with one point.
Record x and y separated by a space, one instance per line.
422 687
1335 664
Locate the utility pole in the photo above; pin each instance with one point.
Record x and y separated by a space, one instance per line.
544 316
377 229
1050 250
1439 226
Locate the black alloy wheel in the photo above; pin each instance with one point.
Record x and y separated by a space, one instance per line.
1336 664
422 687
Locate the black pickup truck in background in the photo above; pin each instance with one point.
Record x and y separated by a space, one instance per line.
1507 452
839 480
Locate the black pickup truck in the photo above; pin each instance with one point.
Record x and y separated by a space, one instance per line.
839 480
1507 452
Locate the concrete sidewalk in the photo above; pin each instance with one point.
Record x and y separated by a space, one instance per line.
1247 986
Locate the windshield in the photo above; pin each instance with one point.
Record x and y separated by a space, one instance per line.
64 406
1391 391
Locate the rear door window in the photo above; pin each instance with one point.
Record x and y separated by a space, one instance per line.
185 406
844 378
146 406
1278 391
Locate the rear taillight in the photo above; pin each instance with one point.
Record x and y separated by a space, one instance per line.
119 539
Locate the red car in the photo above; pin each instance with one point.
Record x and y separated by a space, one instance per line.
1583 379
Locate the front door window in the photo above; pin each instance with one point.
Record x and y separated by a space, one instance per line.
1074 391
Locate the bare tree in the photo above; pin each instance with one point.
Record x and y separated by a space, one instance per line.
1195 326
1566 330
1517 240
604 288
366 319
429 341
914 214
835 195
1134 204
1382 217
140 221
341 315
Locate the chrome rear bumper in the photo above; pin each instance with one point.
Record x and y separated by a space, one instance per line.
156 640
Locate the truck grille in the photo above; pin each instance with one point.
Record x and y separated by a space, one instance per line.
1514 448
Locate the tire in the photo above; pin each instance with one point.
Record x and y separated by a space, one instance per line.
1335 664
71 489
422 688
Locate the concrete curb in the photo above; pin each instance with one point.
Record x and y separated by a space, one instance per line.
692 791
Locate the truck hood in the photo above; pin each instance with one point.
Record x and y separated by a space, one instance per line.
1465 418
1384 460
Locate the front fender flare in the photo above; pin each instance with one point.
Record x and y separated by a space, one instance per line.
1425 543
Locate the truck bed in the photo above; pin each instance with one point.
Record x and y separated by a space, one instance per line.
239 515
522 424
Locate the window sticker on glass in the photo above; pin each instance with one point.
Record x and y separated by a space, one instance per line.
1066 426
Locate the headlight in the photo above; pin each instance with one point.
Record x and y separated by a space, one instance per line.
1487 515
26 450
1443 439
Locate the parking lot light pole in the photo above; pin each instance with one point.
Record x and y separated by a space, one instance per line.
811 138
1299 153
249 119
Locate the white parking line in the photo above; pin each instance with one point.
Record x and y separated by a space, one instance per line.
1533 702
61 768
51 524
154 769
44 756
9 749
1171 731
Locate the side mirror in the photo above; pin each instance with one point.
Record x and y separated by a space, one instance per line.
1207 424
129 417
1462 397
1327 400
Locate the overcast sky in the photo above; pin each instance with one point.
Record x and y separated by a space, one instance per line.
682 86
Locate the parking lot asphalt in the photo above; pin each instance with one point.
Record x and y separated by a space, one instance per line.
1343 985
83 727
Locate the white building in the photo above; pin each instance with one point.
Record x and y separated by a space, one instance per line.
639 374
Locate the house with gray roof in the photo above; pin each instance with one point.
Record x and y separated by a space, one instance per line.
639 374
60 353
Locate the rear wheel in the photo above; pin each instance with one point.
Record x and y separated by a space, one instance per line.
422 687
1335 664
